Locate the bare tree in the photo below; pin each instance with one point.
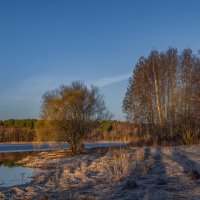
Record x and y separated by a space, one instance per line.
73 111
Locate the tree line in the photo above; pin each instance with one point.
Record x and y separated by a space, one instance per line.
19 123
16 130
33 130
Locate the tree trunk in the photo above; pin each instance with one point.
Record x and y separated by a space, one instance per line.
76 147
157 95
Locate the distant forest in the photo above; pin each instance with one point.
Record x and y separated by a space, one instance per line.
25 130
15 130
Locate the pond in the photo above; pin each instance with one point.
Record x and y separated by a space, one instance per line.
16 175
13 174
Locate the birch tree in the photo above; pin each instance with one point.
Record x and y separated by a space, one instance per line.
161 90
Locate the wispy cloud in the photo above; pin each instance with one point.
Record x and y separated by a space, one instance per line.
111 80
34 87
24 99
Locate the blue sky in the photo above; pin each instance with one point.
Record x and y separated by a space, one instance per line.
46 43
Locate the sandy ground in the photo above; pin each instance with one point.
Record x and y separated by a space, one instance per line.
131 173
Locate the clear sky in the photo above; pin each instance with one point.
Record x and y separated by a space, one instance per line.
46 43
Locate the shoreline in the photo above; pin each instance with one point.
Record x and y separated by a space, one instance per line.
101 141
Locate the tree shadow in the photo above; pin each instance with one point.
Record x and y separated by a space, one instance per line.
180 187
147 153
182 159
150 178
157 178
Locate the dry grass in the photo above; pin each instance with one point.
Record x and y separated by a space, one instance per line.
190 136
118 165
